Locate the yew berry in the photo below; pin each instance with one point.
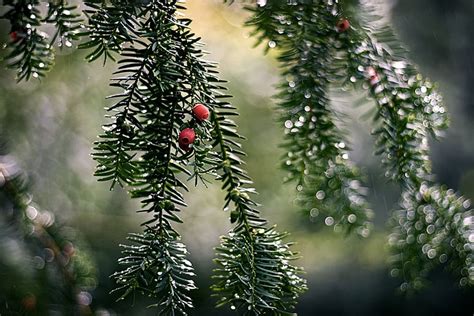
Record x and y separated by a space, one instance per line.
343 25
373 76
14 36
200 112
186 138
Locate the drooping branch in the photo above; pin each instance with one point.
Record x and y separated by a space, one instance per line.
317 156
31 48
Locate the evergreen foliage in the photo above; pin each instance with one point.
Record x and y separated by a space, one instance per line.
56 260
434 226
317 150
161 75
31 50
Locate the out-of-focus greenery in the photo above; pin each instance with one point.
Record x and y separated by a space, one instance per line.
50 127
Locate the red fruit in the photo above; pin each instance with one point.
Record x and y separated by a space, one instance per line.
29 302
374 80
373 76
186 138
200 112
14 36
184 147
343 25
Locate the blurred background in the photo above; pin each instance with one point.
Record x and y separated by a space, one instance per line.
50 127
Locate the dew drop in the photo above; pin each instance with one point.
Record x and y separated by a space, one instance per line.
320 195
431 253
466 204
329 221
272 44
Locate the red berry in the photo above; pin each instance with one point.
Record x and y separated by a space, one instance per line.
184 147
186 138
14 36
372 75
343 25
29 302
200 112
374 80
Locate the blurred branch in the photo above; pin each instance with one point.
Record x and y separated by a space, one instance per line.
66 271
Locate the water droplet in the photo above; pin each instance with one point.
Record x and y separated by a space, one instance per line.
320 195
31 212
431 253
272 44
466 204
288 124
352 218
292 84
329 221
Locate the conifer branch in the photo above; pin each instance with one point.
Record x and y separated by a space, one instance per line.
30 50
181 78
51 245
110 27
317 157
434 224
139 149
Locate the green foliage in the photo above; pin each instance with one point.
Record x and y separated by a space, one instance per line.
110 26
161 75
56 258
433 227
317 158
139 148
252 276
315 55
30 51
